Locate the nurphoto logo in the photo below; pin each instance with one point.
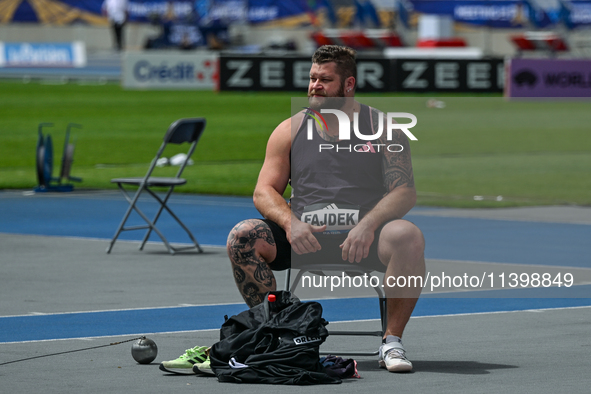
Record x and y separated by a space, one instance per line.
345 130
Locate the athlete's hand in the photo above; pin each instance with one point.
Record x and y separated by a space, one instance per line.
301 236
356 246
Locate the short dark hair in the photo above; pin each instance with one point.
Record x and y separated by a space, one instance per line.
342 56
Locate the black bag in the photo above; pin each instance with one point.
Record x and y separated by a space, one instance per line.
273 342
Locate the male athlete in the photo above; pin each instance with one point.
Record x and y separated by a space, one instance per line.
378 182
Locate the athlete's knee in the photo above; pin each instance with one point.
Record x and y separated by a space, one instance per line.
403 234
241 239
243 232
249 239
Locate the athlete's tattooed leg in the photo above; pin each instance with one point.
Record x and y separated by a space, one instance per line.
250 246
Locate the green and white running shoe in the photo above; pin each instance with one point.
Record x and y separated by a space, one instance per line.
184 364
204 367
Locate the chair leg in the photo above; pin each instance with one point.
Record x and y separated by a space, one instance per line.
383 308
163 205
287 280
156 217
131 206
150 225
185 228
296 281
110 247
383 315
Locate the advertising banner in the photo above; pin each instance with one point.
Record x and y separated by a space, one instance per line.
293 73
26 54
170 70
449 75
144 10
65 12
576 14
58 12
490 13
548 78
373 74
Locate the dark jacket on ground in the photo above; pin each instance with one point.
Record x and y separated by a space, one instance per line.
273 342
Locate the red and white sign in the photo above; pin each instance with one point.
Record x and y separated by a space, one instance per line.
170 70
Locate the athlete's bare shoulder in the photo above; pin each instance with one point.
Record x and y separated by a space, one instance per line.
297 118
286 130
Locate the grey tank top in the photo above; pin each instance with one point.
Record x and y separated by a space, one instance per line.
331 176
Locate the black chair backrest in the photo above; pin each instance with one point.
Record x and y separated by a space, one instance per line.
185 130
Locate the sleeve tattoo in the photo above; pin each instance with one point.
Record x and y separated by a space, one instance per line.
397 166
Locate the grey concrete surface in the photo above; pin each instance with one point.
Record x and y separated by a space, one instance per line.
536 351
41 274
517 352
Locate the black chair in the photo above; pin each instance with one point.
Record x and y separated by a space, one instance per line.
351 270
179 132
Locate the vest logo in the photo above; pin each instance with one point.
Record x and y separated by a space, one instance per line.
305 339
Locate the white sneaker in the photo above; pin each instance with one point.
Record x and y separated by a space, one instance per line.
393 358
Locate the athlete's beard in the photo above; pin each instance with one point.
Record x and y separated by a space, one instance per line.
328 102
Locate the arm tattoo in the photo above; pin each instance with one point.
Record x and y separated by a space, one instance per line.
398 169
397 166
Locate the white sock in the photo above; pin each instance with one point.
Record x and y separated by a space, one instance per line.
392 338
